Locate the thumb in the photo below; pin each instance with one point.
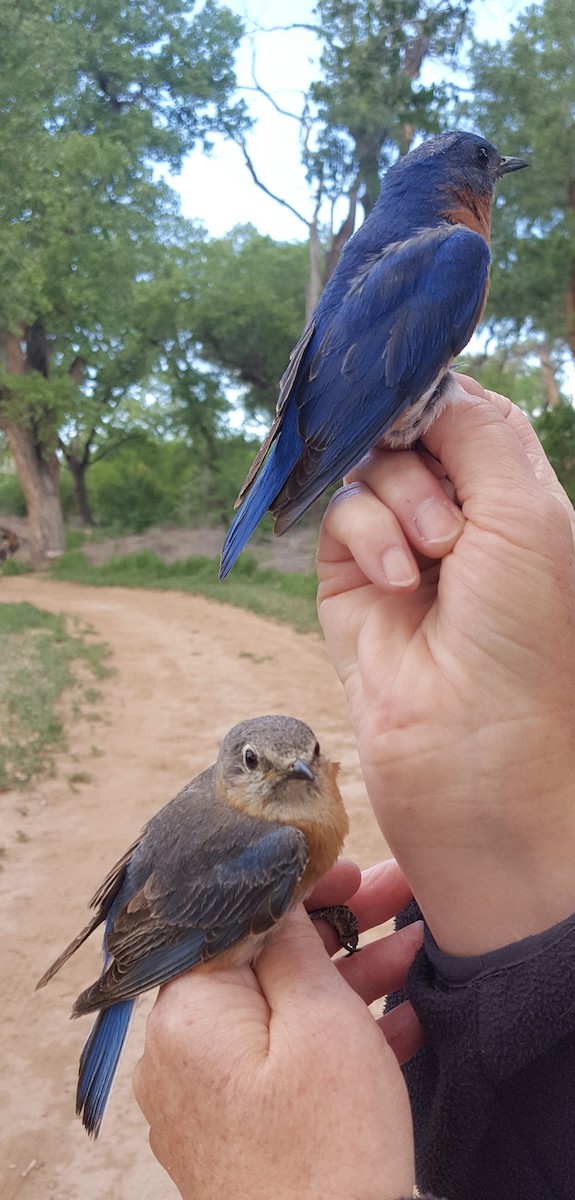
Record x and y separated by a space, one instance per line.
478 446
501 477
295 966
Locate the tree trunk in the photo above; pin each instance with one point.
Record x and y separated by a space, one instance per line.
78 469
37 466
552 393
39 481
569 306
314 285
569 297
342 236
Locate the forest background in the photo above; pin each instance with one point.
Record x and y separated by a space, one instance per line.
140 353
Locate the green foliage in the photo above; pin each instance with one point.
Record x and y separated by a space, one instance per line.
370 100
285 596
128 495
75 539
12 566
148 482
11 496
90 280
512 376
15 618
249 309
210 486
39 660
106 92
556 429
524 100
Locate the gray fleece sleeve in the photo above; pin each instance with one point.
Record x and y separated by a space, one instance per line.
493 1090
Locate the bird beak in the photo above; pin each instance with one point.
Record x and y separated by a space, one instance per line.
506 165
300 770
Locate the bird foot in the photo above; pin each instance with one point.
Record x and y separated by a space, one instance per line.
343 922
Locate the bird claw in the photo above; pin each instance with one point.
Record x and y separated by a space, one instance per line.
343 922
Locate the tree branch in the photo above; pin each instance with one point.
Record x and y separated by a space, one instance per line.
286 28
272 195
284 112
128 437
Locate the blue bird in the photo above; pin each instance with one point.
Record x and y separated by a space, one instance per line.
373 361
207 880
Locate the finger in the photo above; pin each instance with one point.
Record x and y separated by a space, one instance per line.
524 431
402 1031
469 384
189 1024
382 966
293 969
500 476
384 892
140 1089
336 886
381 553
401 480
478 447
519 422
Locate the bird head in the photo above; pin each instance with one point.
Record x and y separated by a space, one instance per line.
272 767
464 160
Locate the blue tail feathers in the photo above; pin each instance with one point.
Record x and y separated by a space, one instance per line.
264 490
247 518
99 1062
260 497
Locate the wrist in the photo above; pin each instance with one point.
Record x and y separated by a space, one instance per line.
489 852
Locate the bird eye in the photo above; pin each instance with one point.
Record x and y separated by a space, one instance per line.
250 758
316 750
482 156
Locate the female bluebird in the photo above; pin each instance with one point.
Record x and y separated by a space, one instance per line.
407 294
207 880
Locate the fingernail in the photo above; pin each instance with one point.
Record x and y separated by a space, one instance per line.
438 521
398 568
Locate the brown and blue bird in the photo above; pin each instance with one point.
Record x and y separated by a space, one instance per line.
373 361
207 881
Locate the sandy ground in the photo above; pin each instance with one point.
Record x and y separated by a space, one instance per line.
186 670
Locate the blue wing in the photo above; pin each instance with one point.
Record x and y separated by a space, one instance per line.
168 926
406 315
405 318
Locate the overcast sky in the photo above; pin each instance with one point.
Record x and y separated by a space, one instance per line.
217 189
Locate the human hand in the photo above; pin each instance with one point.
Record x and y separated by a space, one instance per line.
460 678
277 1081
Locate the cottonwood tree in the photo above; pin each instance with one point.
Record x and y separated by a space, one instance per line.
367 106
524 100
92 99
247 310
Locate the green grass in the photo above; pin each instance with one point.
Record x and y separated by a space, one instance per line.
285 596
13 567
41 659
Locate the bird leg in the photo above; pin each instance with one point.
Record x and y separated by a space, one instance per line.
342 921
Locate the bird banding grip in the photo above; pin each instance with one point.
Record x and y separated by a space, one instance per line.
373 362
208 880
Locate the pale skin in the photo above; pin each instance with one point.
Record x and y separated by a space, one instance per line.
460 678
300 1095
453 632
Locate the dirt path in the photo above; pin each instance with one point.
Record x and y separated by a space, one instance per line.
186 670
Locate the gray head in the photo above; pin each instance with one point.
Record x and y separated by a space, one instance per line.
264 759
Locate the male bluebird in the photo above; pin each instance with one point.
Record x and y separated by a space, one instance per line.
408 291
210 875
